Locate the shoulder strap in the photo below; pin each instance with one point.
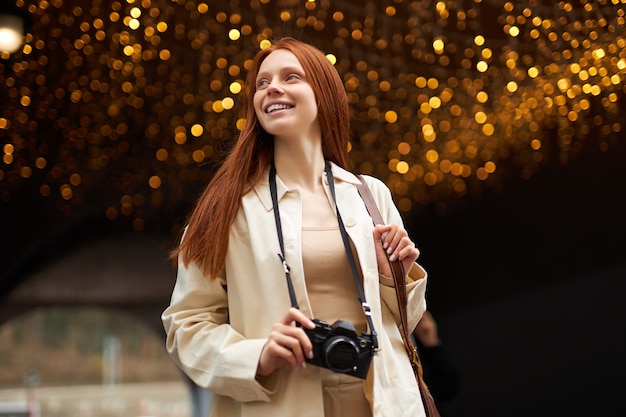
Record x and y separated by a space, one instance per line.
399 279
397 270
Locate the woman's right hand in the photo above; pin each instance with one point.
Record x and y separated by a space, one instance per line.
286 344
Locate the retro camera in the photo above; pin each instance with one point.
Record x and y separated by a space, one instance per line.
338 348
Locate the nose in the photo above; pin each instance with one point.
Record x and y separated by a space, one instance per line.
274 88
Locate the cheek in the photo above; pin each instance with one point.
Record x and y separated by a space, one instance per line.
313 104
314 110
256 102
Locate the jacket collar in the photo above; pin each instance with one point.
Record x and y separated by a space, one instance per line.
263 192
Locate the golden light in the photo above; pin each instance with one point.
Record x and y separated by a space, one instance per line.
147 93
234 34
235 87
438 46
11 32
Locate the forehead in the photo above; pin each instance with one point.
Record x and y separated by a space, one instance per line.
279 59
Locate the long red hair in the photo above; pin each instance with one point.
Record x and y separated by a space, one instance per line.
206 236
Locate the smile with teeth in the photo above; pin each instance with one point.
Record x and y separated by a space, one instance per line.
273 107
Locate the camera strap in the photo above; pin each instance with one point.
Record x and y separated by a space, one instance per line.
346 243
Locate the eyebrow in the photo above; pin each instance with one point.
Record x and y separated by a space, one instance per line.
289 68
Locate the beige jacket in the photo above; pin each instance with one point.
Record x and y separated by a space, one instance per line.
216 334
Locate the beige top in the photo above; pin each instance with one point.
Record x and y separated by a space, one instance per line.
330 285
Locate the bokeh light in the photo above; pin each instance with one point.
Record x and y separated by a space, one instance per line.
119 99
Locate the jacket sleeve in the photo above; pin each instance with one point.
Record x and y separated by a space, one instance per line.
204 345
415 290
416 277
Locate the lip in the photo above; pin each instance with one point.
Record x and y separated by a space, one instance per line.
274 103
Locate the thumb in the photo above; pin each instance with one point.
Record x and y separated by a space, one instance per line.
380 231
381 254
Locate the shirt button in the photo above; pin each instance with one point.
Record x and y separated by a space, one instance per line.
350 221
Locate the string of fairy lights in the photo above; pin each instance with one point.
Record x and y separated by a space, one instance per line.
132 102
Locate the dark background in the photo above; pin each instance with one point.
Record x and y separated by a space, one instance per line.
528 288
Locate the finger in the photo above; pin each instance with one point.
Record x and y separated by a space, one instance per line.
295 315
409 260
397 243
380 232
301 344
287 343
275 354
406 249
292 343
393 238
386 235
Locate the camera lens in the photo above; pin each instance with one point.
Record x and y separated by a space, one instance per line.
341 354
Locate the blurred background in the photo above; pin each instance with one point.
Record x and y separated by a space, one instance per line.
498 126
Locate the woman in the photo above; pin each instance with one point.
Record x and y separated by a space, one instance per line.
231 325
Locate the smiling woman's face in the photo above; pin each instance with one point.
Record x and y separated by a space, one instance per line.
284 101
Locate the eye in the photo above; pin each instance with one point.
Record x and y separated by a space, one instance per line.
293 77
262 83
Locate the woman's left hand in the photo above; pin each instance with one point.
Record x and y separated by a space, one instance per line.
392 241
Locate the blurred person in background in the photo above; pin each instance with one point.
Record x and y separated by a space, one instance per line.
440 372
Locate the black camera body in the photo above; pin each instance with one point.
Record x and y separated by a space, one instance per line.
338 348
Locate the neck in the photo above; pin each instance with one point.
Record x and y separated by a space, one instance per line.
299 167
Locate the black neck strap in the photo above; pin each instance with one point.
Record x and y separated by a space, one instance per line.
346 244
279 231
